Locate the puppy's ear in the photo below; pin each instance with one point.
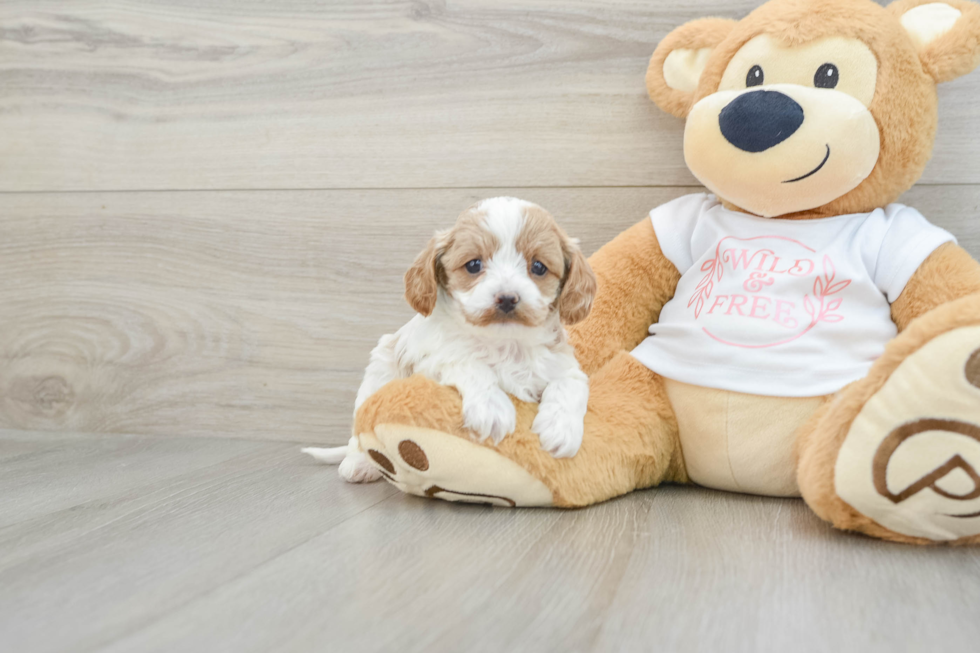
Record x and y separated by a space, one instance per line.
422 279
677 63
946 35
579 286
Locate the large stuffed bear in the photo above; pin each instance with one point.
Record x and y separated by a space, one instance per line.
793 333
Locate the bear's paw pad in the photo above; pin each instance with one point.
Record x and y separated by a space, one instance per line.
911 459
430 463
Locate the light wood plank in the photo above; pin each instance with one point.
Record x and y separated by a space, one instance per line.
113 533
787 583
357 94
247 314
56 472
262 550
674 569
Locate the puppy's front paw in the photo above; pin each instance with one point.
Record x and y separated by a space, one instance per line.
490 415
355 468
559 430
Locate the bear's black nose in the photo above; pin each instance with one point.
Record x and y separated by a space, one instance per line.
756 121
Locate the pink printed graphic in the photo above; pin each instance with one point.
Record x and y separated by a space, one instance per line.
764 287
703 291
715 267
824 287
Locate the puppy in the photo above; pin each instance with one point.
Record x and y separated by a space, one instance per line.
492 294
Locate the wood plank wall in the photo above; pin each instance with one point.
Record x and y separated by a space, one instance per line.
206 206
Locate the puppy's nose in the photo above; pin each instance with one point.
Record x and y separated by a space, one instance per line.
507 303
756 121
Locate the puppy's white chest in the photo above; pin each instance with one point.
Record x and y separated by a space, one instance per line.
521 371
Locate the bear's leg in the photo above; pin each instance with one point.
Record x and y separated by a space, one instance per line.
896 455
412 430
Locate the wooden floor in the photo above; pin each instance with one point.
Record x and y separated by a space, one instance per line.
170 543
206 208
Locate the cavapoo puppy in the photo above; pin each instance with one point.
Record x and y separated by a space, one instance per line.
492 295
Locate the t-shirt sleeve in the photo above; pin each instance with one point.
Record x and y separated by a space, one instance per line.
674 224
908 241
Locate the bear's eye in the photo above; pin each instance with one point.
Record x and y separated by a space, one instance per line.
755 76
827 76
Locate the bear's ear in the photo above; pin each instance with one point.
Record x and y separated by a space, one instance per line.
946 35
677 63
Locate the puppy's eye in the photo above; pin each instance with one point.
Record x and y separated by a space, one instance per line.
538 268
474 266
755 76
827 76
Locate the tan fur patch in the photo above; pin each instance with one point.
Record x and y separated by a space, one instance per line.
947 274
956 52
633 282
694 36
541 240
579 289
422 278
493 316
467 240
443 261
570 279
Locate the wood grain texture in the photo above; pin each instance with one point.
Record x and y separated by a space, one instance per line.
244 314
357 94
99 536
197 545
247 314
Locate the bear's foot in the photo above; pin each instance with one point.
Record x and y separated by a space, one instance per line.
434 464
910 460
413 432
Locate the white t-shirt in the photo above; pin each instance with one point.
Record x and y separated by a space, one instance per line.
791 308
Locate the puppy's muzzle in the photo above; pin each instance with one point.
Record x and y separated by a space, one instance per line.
507 303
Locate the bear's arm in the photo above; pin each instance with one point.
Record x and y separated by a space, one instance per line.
634 280
947 274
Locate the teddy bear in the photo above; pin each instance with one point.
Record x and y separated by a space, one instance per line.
792 332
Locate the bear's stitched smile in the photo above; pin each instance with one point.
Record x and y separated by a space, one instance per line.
814 171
